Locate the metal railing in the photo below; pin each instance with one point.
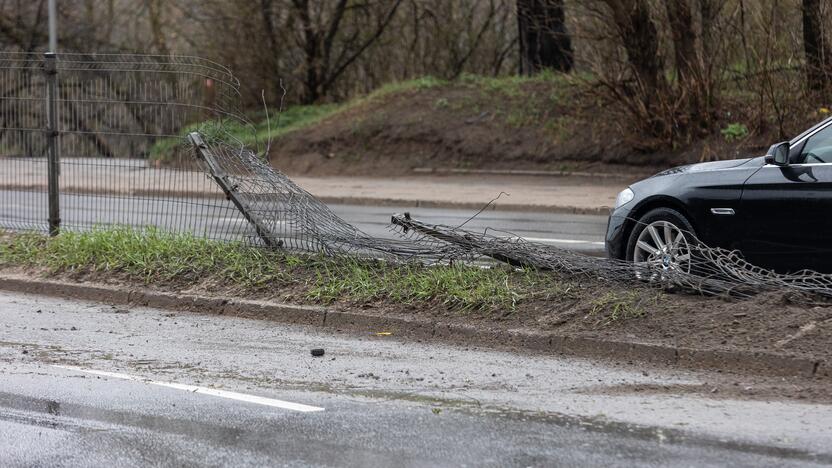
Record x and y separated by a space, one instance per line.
92 139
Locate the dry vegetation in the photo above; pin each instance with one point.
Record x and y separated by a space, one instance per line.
668 75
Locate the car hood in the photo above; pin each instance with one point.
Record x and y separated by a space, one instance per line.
711 166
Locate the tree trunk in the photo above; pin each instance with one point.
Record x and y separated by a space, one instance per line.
544 40
684 38
641 42
639 37
311 49
815 46
709 11
267 15
687 59
154 9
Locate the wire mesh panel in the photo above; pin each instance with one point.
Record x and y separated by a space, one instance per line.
123 156
121 124
23 149
284 215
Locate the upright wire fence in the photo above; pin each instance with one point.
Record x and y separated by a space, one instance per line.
22 141
124 159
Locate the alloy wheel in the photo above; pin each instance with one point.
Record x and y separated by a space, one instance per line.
663 248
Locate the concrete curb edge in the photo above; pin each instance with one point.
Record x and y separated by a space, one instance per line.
497 206
346 321
532 173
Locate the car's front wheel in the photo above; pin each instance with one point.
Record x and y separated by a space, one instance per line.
661 241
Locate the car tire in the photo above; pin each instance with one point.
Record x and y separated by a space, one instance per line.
659 214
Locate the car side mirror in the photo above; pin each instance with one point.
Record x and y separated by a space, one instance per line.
778 154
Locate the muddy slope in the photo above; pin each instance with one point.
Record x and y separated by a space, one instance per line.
530 127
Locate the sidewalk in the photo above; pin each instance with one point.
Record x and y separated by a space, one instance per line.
523 193
529 193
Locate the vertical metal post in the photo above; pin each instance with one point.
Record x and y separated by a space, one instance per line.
54 160
53 26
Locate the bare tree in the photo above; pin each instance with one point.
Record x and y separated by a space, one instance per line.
688 60
155 16
645 94
267 13
816 48
640 39
319 27
544 39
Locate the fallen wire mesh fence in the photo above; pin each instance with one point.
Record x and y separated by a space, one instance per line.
708 270
286 216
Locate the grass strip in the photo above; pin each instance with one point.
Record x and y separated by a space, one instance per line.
154 257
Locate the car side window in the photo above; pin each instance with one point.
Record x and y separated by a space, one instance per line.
818 148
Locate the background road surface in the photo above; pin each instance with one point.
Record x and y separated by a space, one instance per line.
572 231
131 176
85 384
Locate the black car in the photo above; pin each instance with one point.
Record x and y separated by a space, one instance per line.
776 210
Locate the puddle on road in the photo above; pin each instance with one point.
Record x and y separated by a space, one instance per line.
74 417
18 403
82 418
598 424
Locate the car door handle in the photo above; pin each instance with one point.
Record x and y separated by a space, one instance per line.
722 211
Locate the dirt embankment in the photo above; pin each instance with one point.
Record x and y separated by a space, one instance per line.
500 125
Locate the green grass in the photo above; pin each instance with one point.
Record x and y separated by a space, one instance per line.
522 101
457 287
524 108
513 86
734 131
616 306
276 124
150 256
157 258
425 82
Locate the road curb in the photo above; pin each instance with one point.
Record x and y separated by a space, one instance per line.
529 173
350 321
453 205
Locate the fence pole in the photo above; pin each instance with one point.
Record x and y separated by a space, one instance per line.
53 164
53 26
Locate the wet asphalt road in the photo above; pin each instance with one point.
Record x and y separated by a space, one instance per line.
85 384
203 216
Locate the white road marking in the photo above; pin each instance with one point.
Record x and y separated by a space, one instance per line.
202 390
561 241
